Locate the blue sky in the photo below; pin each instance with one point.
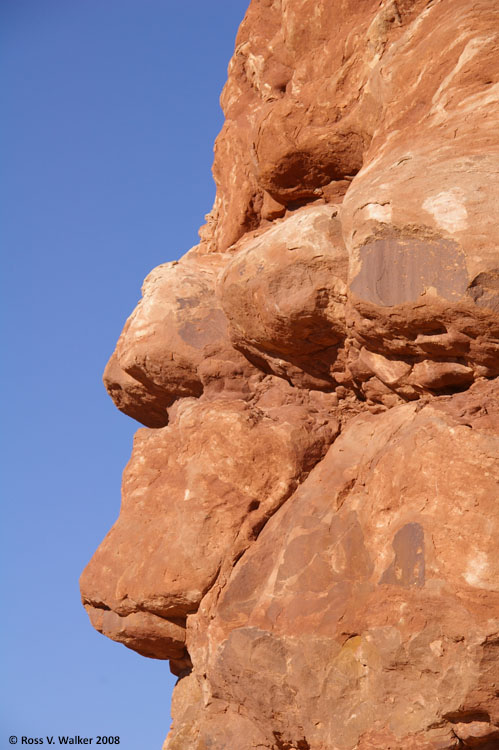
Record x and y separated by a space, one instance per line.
110 109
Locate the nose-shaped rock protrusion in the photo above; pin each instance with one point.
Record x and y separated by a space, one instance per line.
165 339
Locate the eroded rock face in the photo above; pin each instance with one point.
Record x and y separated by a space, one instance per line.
309 530
194 497
295 275
377 604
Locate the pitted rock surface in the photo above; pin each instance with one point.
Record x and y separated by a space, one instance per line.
310 518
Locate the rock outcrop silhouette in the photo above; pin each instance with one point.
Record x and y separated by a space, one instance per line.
310 518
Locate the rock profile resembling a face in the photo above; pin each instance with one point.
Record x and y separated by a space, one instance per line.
309 522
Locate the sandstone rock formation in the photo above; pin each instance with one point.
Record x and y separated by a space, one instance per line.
309 527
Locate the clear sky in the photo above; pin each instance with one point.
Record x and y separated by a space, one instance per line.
109 113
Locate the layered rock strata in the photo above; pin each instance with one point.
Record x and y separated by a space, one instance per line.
310 518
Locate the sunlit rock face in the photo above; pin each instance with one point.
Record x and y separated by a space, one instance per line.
310 517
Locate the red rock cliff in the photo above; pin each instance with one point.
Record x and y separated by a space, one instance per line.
309 528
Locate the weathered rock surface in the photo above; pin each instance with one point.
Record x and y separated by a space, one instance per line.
194 497
380 602
309 531
167 338
295 275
